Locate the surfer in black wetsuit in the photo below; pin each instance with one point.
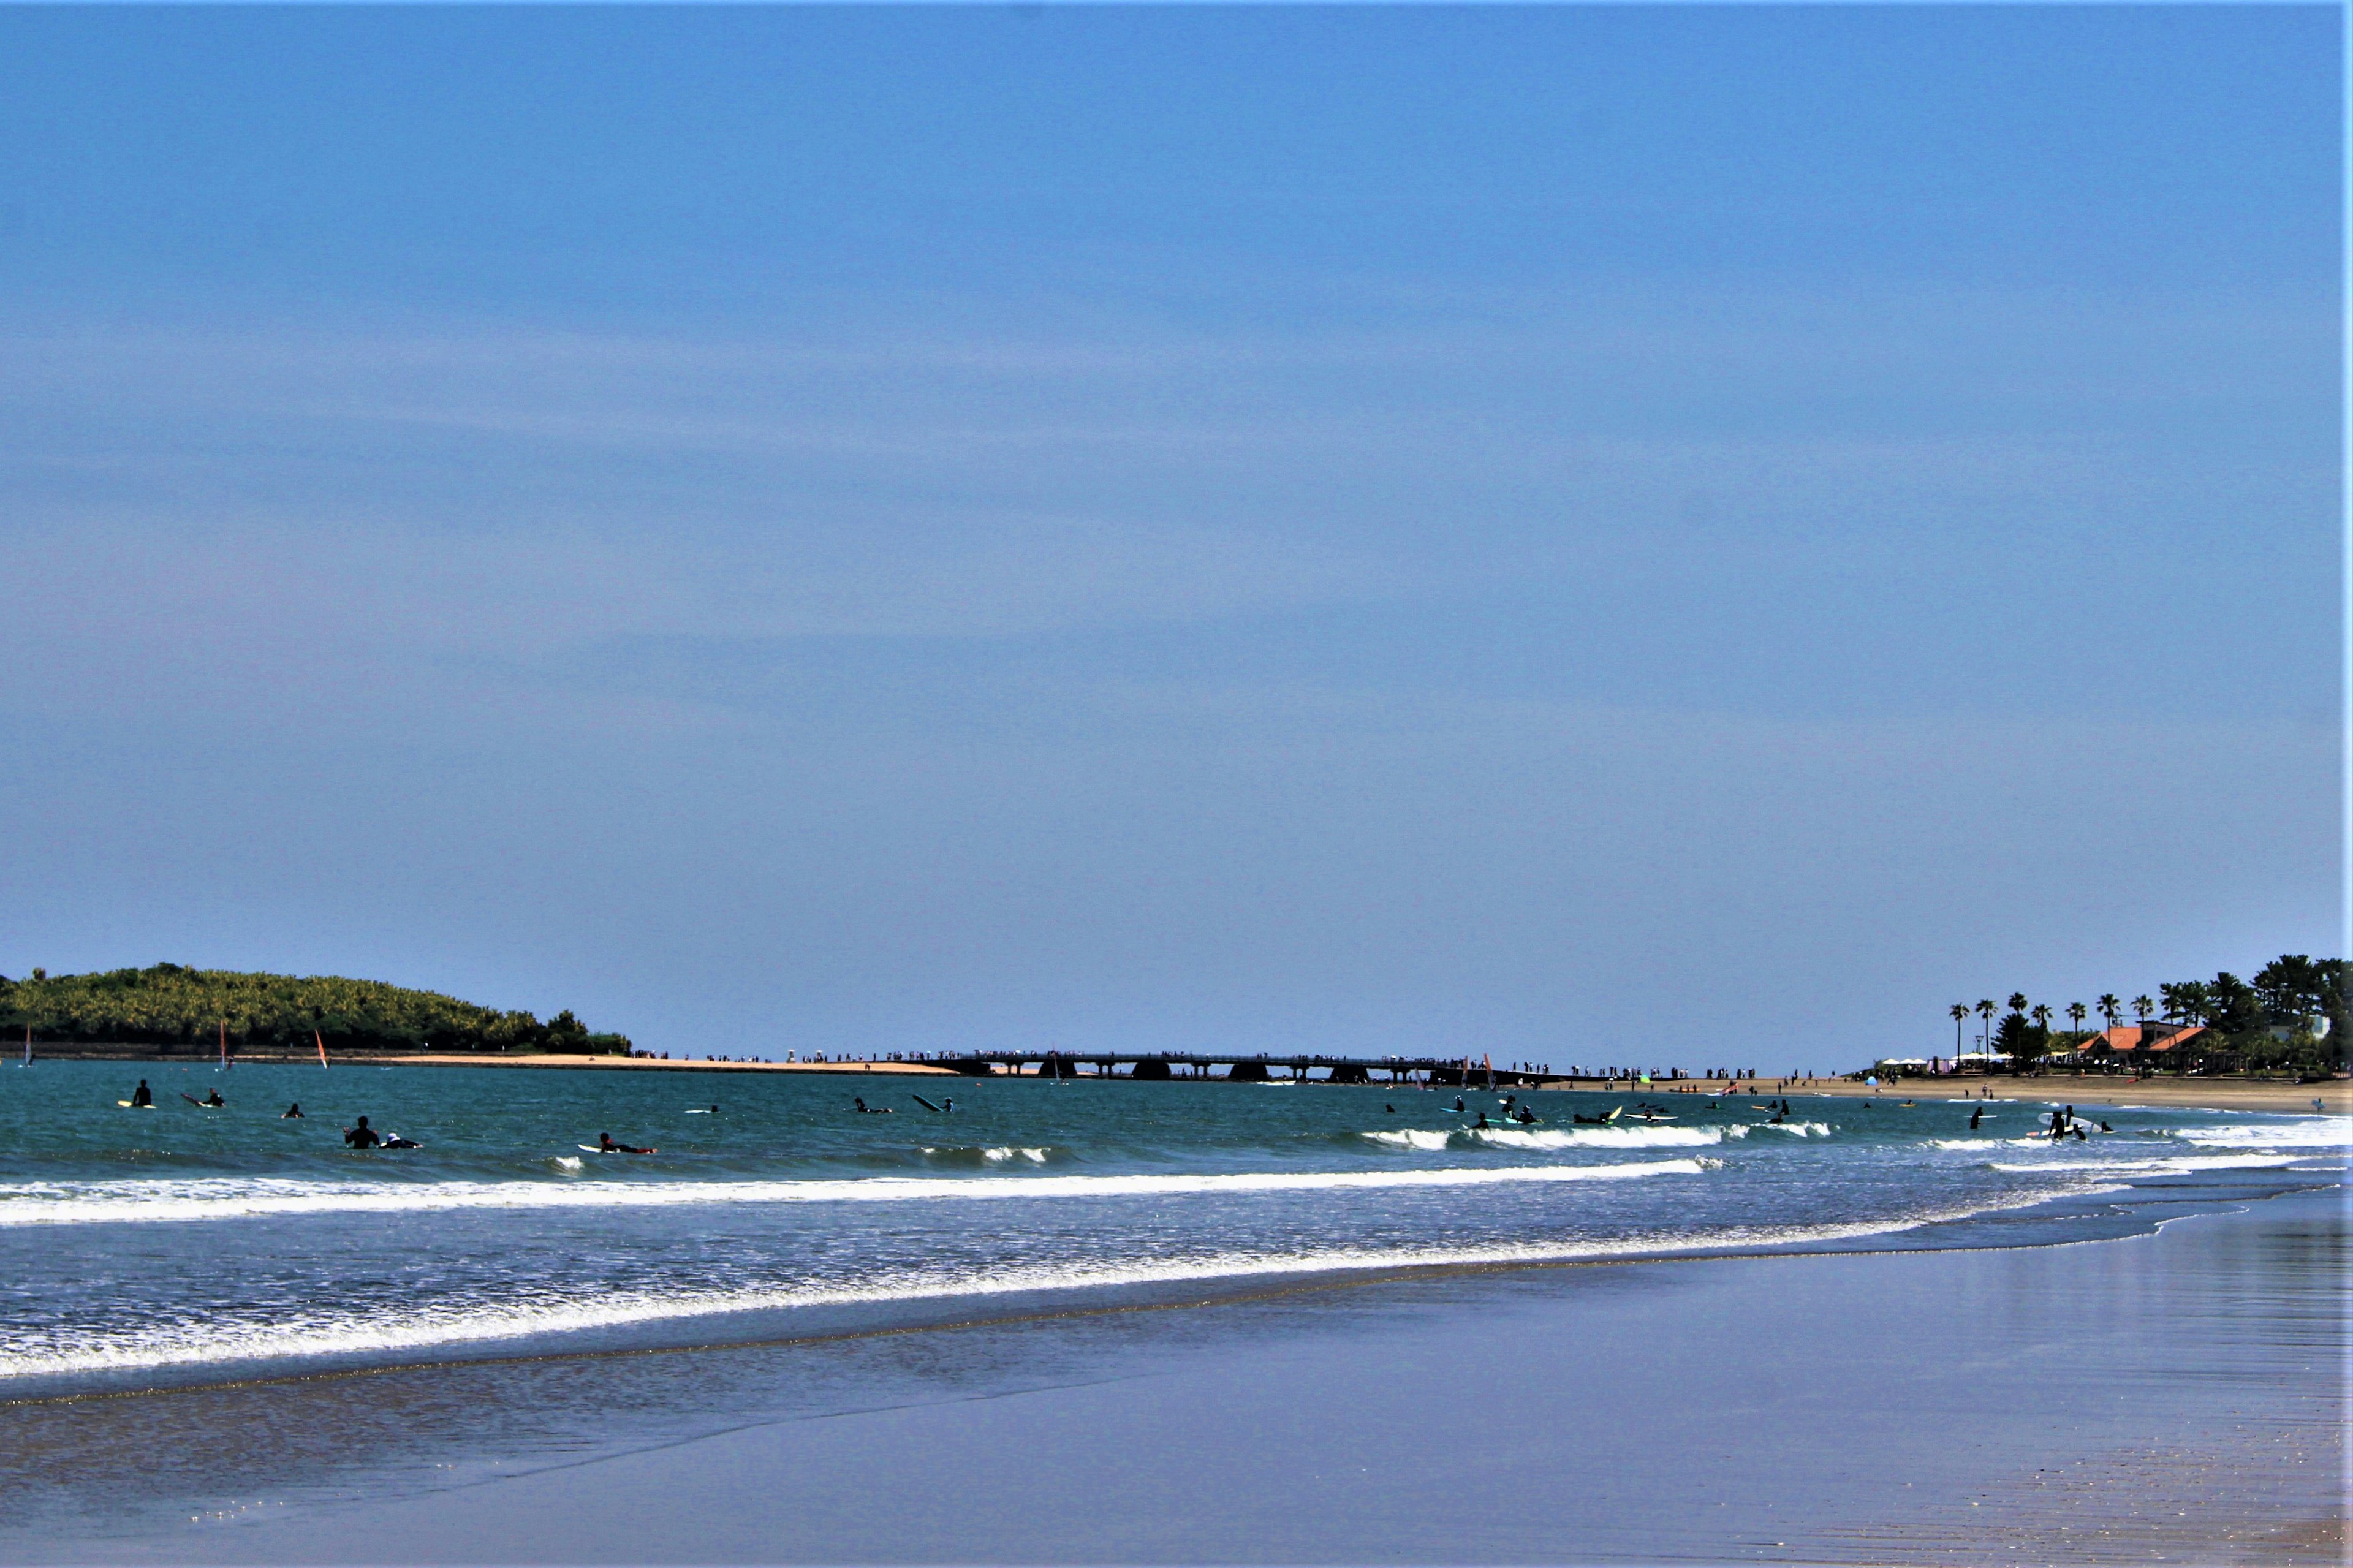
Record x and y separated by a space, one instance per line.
1483 1119
212 1100
292 1112
867 1109
142 1095
398 1141
1975 1117
1457 1102
605 1145
363 1136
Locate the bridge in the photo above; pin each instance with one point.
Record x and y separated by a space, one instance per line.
1166 1066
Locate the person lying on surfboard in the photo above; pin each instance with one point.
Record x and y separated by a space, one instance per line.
605 1145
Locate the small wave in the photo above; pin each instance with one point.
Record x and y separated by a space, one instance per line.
388 1332
1636 1136
116 1202
566 1161
1796 1128
1412 1138
2306 1133
996 1155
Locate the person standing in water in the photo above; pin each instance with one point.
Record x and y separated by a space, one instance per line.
363 1136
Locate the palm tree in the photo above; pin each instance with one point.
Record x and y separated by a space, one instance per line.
2042 1016
2142 1009
1985 1011
2018 1001
2109 1008
1960 1016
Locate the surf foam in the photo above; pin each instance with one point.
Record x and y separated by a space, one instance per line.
119 1203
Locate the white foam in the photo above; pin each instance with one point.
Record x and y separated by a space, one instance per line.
131 1202
1412 1138
391 1331
1796 1128
994 1156
2304 1132
1633 1136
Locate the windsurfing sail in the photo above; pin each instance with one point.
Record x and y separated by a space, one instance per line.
28 1045
224 1037
322 1047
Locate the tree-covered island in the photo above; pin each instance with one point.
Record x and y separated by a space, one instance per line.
169 1008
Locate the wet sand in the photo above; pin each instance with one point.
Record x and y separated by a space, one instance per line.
2174 1397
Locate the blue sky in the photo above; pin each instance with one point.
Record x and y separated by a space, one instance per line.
1591 535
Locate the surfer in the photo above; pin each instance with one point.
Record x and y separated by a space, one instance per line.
363 1136
605 1145
867 1109
1482 1119
212 1100
1523 1116
142 1095
1975 1115
398 1141
292 1112
1457 1102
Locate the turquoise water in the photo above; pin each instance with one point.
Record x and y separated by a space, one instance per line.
176 1245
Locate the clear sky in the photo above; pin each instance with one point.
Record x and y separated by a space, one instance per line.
1592 535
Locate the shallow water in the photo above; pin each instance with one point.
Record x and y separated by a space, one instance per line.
139 1248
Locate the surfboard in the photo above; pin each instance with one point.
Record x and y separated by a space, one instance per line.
925 1103
591 1149
128 1106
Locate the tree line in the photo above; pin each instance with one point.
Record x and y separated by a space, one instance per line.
169 1005
2292 1014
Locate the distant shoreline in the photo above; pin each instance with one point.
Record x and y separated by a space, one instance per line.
2213 1094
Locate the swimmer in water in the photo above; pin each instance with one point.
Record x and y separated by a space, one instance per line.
292 1112
363 1136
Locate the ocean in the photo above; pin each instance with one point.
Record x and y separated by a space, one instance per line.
143 1249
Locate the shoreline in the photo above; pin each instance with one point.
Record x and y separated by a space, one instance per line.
1038 1417
2336 1096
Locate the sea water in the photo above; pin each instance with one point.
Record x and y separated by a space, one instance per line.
139 1248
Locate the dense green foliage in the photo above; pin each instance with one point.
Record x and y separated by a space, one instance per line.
168 1006
2293 1015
